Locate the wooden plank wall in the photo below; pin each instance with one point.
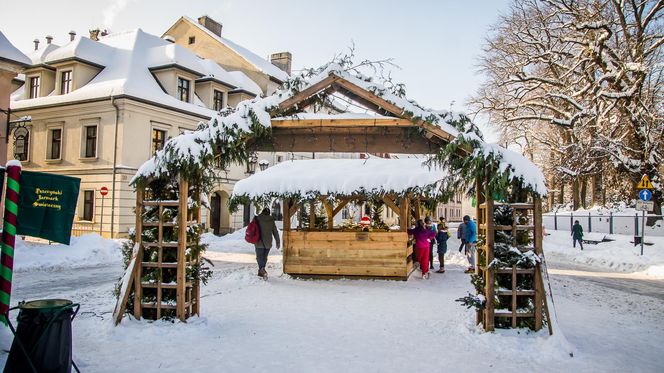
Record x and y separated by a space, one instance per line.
374 254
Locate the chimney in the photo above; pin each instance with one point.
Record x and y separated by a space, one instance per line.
36 41
49 39
282 60
94 34
210 24
72 35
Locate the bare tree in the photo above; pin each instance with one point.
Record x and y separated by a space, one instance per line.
579 82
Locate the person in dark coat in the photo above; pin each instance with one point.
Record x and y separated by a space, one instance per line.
461 235
268 230
577 234
441 238
428 223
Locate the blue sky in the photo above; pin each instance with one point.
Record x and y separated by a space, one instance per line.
436 43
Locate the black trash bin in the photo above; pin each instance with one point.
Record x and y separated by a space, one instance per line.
44 335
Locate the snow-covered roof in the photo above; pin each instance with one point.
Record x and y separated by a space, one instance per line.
38 56
340 177
242 81
81 48
9 52
128 58
322 116
257 61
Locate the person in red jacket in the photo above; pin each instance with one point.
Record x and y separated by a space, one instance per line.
423 238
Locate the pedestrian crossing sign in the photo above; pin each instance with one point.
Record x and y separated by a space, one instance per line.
644 183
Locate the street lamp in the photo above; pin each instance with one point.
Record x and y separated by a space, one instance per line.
263 164
251 163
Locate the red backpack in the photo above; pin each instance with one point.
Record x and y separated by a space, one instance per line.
253 233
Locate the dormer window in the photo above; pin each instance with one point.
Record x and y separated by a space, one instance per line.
218 100
183 89
65 82
34 87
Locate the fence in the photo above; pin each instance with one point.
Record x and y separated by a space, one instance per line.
80 228
608 223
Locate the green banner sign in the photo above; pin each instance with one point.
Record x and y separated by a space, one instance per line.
47 205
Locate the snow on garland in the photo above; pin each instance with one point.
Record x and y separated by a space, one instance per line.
223 139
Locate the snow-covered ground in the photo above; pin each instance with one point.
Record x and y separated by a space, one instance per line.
295 325
618 255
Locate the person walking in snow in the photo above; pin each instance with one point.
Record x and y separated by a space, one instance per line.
461 235
429 225
423 237
267 229
441 239
577 234
471 239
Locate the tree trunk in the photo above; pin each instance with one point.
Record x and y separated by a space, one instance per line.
561 194
596 190
584 192
575 194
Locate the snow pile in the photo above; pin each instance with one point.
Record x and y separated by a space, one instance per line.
86 251
340 177
9 52
619 255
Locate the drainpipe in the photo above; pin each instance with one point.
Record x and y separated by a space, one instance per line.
115 162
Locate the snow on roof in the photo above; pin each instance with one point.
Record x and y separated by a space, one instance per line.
9 52
340 177
257 61
127 58
38 56
217 72
245 83
82 48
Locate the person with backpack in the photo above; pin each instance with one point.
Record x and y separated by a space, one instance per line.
577 234
441 238
260 232
423 237
471 239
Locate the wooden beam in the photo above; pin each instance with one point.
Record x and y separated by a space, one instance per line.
489 271
286 214
389 202
342 202
308 92
404 217
365 122
182 247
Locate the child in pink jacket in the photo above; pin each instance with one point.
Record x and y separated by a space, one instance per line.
423 237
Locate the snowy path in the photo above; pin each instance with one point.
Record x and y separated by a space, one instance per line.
356 326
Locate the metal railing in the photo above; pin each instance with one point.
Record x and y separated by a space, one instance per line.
80 228
602 223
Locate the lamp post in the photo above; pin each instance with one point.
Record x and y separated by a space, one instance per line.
251 163
263 164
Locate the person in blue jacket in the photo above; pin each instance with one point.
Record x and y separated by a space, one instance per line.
471 240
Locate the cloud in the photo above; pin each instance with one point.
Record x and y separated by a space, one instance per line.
111 11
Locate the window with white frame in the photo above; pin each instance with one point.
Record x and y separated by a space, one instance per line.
34 87
65 82
158 140
183 89
90 141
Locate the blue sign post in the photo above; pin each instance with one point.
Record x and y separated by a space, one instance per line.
645 195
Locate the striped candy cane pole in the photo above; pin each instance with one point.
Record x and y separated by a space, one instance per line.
9 236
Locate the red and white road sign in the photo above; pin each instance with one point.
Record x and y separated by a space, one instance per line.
103 191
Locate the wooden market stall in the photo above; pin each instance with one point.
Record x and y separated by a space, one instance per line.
314 192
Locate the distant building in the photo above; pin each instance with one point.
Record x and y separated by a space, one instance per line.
100 109
12 62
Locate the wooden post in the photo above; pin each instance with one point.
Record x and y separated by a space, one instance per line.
182 247
312 215
329 211
404 215
140 194
160 255
285 231
539 283
490 275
